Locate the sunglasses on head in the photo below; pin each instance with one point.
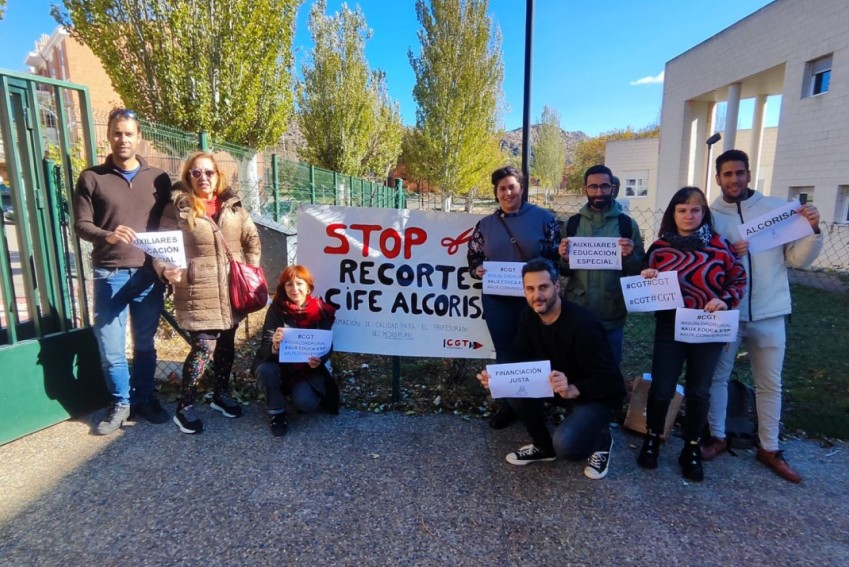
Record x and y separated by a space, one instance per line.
123 113
196 173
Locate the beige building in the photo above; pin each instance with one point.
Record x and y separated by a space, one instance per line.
635 162
787 48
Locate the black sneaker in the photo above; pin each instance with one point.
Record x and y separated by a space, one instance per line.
188 421
279 424
227 405
599 462
115 417
151 410
530 454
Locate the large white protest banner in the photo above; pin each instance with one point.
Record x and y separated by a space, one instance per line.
655 294
398 278
775 228
699 326
298 345
166 246
520 380
503 278
590 253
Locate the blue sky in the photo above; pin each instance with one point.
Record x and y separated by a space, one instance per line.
588 56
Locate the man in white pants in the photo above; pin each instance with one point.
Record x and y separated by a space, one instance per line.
762 311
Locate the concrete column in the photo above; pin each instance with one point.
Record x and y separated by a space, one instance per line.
757 139
731 115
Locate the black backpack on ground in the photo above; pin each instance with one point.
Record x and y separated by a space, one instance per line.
741 418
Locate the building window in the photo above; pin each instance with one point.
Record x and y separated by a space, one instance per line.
843 205
636 187
817 77
807 190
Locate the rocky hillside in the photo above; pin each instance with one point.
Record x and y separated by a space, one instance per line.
512 141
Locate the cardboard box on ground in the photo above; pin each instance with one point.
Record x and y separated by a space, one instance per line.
635 419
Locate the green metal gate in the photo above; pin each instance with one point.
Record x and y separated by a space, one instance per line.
48 354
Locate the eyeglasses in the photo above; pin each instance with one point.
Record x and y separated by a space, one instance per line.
196 173
604 188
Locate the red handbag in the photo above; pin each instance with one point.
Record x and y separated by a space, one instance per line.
248 288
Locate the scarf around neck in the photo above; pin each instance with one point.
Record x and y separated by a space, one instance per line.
695 241
306 316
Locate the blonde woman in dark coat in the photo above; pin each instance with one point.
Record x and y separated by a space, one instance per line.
201 206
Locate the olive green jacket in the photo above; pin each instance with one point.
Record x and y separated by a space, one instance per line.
599 290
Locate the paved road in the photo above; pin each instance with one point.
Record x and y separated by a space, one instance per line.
362 489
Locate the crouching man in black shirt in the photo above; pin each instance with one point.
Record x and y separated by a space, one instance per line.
583 376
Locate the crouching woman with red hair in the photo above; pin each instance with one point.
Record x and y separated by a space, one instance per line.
311 384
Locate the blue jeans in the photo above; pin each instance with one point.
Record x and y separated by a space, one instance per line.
584 431
615 337
501 314
117 292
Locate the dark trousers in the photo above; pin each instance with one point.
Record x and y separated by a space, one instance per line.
502 319
667 362
584 431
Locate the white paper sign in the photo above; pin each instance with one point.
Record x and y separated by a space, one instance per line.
594 253
166 246
520 380
503 278
775 228
399 279
699 326
299 345
656 294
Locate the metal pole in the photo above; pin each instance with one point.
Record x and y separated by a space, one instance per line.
275 185
710 142
396 379
399 190
526 114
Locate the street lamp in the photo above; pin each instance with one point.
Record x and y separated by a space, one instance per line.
710 142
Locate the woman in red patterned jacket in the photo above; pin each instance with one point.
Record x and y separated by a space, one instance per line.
711 278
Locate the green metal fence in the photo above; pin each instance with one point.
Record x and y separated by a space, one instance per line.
45 343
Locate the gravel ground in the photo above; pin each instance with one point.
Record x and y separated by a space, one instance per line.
391 489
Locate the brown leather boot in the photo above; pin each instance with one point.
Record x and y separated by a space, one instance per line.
713 448
776 461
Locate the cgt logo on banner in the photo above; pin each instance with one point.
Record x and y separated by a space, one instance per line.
461 344
398 278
